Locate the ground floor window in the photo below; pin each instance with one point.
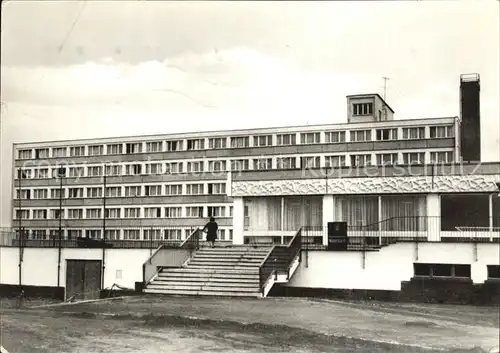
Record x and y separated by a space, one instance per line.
358 211
467 211
403 213
442 270
493 271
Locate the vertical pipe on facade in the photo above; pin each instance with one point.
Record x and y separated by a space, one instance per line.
103 226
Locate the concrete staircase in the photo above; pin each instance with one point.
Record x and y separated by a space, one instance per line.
231 272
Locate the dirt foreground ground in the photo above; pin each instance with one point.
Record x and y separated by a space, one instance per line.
183 324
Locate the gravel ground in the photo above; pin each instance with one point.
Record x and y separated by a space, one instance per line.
182 324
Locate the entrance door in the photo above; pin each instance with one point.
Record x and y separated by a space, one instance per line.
83 279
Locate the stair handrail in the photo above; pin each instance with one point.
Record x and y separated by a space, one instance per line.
149 261
193 240
297 239
262 282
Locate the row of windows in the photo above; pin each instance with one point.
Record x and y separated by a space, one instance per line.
120 234
122 191
237 142
126 212
451 270
290 162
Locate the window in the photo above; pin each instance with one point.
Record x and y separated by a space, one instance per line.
41 153
263 140
22 214
132 212
77 151
39 234
173 189
410 133
216 211
493 271
132 191
132 148
56 193
173 234
74 233
94 171
152 212
230 236
116 148
240 142
112 212
334 161
286 162
262 163
154 146
230 211
24 195
152 190
194 212
41 173
310 137
153 168
387 159
173 212
93 192
221 234
75 213
24 154
334 136
286 139
309 162
96 150
93 213
39 214
93 233
173 167
174 145
387 134
361 160
414 158
113 170
362 109
24 173
405 213
193 167
358 211
114 191
153 234
442 270
112 234
40 193
217 142
195 144
133 169
76 172
441 131
216 166
59 152
240 164
217 188
131 234
442 157
361 135
56 214
75 193
194 189
59 172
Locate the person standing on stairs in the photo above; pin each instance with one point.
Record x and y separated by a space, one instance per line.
211 230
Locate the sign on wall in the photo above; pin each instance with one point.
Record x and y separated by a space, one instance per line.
337 236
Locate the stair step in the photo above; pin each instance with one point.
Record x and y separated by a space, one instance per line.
195 263
205 287
225 276
229 256
225 260
206 282
222 267
224 270
202 293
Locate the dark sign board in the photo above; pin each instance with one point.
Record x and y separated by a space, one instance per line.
337 236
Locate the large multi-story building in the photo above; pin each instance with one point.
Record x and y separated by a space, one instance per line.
173 181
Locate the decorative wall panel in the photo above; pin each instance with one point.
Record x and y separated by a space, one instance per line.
386 185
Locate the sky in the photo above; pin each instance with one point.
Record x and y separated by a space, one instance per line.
85 69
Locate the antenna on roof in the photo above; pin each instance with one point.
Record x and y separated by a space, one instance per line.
385 85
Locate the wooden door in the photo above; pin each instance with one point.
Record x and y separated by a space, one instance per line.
83 279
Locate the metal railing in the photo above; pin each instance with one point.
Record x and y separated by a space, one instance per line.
279 258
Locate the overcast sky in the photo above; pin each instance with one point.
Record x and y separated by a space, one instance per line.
91 69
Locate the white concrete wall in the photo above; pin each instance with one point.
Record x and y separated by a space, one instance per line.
39 267
386 269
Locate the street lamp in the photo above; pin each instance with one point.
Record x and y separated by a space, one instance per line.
61 172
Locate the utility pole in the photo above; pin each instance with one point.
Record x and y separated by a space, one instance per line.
385 85
103 225
61 172
20 176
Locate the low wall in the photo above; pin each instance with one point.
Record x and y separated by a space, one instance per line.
388 274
